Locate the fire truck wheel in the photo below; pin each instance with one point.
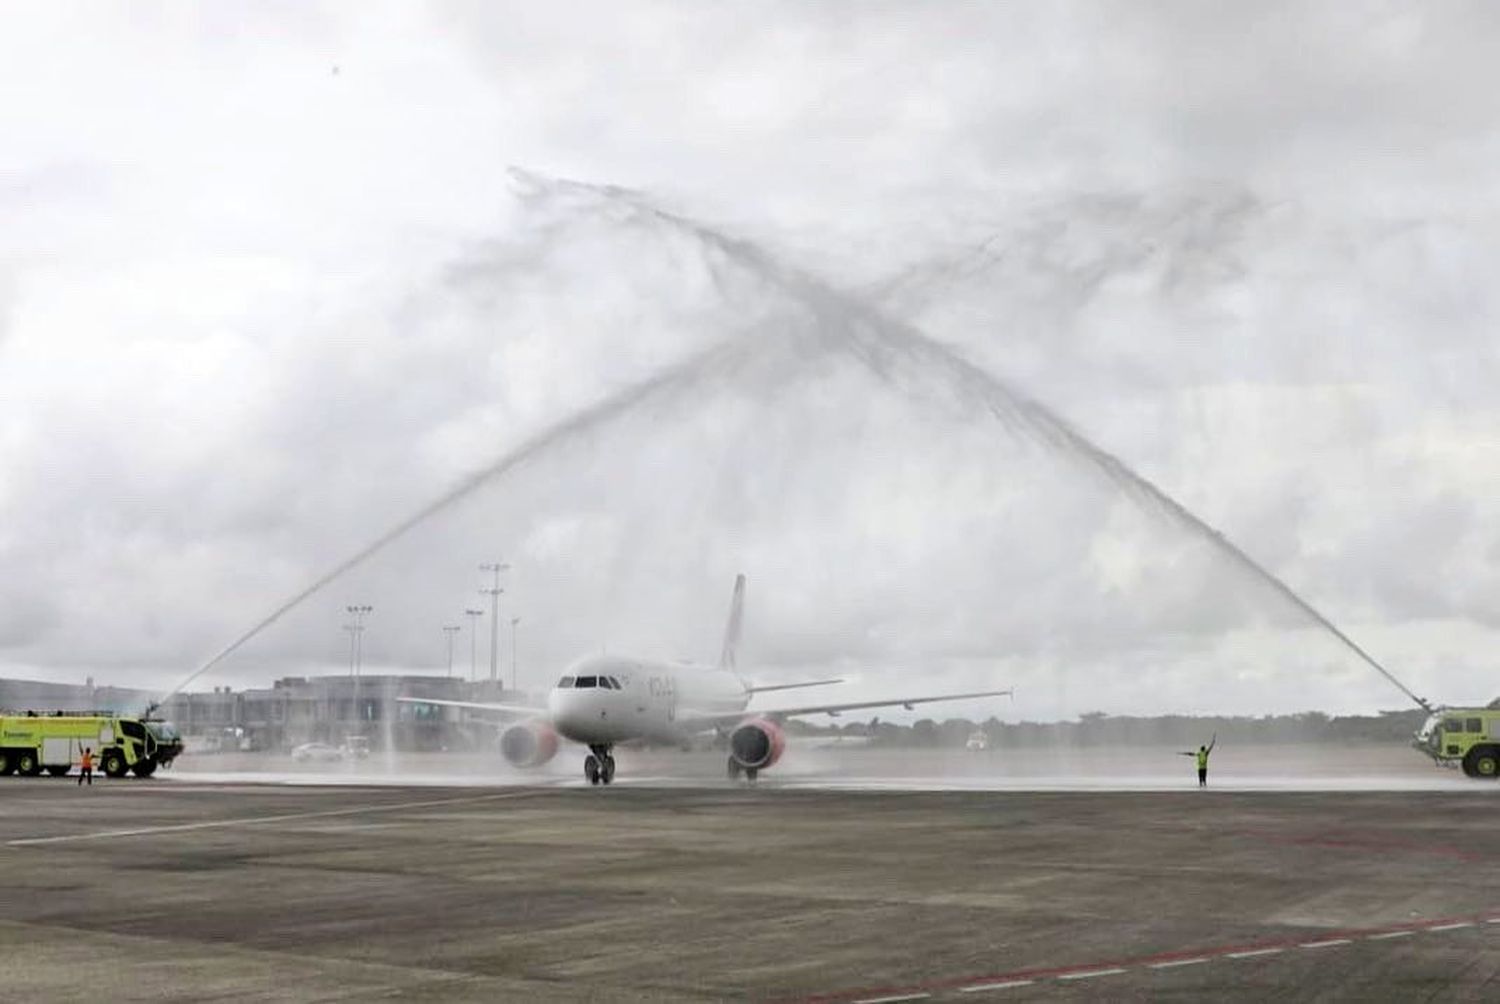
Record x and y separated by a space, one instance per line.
1482 762
7 763
113 764
27 766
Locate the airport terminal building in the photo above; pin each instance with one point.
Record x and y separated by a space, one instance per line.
293 710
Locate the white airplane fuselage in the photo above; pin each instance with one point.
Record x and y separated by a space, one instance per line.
605 699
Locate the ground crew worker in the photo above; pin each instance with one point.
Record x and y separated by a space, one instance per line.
86 762
1202 756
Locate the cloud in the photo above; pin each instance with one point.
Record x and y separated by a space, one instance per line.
255 312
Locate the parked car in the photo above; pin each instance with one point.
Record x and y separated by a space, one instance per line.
316 752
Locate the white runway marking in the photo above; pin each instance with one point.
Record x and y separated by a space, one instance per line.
1003 985
1090 974
1391 934
1324 944
1452 927
1254 953
1175 963
893 1000
259 820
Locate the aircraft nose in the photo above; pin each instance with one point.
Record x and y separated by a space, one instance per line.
576 715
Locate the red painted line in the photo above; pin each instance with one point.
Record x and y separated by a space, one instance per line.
1130 962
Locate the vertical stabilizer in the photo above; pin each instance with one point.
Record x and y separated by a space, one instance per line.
732 629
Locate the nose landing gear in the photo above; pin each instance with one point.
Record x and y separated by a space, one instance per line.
599 765
735 769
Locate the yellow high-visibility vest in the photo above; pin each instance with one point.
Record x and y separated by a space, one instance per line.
1203 759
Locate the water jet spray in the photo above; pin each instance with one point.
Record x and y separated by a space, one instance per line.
881 342
887 347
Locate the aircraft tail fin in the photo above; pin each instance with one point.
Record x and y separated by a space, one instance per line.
732 629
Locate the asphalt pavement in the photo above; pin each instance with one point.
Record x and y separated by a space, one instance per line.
162 891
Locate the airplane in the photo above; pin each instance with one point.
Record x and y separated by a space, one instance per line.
603 700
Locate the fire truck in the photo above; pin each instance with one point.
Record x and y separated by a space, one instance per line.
1463 737
32 742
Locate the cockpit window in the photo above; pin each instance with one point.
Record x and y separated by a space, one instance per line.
613 682
565 683
587 681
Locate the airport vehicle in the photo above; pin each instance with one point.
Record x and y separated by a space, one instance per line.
607 699
1465 737
356 747
33 742
978 741
316 752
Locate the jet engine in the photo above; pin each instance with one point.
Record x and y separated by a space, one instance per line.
756 744
529 744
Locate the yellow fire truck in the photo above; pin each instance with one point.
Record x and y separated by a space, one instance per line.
1463 737
34 741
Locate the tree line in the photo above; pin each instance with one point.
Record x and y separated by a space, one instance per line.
1095 728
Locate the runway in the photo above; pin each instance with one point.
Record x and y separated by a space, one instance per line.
824 765
192 890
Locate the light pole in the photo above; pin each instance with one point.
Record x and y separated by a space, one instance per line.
513 622
450 630
351 629
493 592
357 632
473 616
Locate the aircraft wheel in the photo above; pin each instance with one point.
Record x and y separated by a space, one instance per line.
607 769
734 769
591 768
750 774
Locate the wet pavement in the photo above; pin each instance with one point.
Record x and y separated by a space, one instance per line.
193 890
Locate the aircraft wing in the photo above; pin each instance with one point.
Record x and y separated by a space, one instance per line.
833 710
506 709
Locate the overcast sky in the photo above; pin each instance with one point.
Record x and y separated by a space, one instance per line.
268 284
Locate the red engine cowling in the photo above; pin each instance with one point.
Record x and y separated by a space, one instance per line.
529 744
756 744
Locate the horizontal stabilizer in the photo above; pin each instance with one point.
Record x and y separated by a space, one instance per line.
792 686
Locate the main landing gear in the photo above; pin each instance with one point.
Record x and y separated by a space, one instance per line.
599 766
735 769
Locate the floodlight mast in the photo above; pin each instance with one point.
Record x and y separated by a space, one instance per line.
473 616
357 648
450 630
493 592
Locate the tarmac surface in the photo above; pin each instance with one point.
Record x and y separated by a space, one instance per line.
195 890
824 765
